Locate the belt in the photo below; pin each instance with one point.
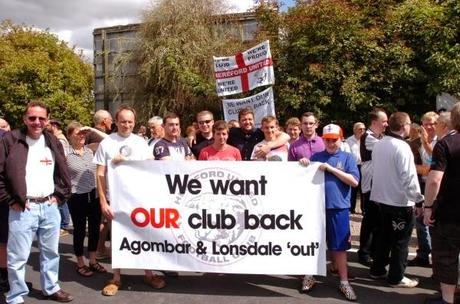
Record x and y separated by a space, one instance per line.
39 200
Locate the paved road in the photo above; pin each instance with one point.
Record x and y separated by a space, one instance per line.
232 289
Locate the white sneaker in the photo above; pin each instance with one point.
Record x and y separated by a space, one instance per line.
406 283
307 284
348 292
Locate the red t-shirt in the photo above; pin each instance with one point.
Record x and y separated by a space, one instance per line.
230 153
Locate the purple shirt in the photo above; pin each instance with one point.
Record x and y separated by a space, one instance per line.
304 147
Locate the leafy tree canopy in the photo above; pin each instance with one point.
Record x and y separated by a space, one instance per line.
178 40
342 57
37 65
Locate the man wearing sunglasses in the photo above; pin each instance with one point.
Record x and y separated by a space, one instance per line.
204 137
33 180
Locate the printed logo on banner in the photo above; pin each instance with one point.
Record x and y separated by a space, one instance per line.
211 213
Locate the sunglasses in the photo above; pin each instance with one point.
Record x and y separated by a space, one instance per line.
205 122
34 118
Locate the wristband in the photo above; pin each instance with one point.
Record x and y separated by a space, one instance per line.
428 207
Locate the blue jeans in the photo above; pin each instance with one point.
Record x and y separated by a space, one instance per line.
42 220
423 239
65 216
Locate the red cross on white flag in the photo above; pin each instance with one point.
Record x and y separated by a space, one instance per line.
244 71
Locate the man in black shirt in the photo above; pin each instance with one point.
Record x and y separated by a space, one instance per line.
247 136
442 210
204 137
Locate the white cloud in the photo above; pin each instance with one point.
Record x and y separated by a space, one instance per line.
74 21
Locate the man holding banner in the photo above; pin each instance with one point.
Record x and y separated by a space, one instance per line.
309 143
341 173
118 147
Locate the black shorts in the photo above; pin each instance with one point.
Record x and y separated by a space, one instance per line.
445 242
4 211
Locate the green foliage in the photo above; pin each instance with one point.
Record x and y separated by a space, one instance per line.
178 40
36 65
339 58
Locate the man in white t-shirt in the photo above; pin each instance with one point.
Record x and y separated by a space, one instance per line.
119 146
33 179
270 127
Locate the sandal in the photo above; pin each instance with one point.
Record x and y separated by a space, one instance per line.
84 271
111 288
156 282
102 257
96 267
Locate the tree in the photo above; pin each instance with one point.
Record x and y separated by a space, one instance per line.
37 65
339 58
178 40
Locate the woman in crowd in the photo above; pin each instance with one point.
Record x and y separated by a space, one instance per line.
83 204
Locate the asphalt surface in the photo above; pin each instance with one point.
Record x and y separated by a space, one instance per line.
229 288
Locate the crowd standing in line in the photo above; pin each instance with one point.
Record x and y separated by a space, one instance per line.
394 162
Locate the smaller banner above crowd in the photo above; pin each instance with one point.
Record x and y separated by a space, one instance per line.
263 104
218 216
244 71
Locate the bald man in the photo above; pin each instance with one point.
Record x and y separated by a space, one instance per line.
4 125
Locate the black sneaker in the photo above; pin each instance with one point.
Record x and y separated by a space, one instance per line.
418 262
365 261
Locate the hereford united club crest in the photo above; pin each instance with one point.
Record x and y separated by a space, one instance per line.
212 209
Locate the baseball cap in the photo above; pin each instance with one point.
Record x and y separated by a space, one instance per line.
332 131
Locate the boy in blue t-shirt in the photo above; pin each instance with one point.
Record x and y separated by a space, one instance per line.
340 174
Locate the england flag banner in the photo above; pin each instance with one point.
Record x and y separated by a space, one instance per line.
262 104
244 71
218 216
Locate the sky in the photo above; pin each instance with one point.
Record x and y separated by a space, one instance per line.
74 21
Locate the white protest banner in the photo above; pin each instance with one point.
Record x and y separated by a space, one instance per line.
262 104
244 71
217 216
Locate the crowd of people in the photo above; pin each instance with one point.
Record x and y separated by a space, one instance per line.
405 174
